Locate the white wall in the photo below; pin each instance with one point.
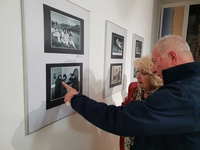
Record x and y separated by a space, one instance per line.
73 132
155 23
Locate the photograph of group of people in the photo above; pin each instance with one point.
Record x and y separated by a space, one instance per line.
69 75
65 32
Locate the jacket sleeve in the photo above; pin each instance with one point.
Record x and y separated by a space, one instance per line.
167 111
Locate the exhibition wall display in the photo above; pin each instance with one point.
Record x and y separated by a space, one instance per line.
115 48
56 50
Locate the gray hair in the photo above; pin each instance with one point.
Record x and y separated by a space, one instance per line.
174 43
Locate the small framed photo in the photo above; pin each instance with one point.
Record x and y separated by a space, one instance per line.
117 47
115 75
63 32
138 49
70 73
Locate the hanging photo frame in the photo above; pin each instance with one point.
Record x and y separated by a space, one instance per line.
47 64
63 32
115 74
138 49
70 73
137 46
115 49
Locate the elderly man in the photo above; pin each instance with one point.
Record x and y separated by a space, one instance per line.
170 117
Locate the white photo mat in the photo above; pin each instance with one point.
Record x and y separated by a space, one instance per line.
35 60
135 38
113 28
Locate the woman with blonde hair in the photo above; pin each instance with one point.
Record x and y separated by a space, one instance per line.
147 83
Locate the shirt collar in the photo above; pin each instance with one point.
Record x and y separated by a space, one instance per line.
180 72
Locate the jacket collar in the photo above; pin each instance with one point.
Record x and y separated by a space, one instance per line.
180 72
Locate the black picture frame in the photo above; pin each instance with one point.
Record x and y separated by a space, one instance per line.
119 76
117 48
55 96
138 49
67 36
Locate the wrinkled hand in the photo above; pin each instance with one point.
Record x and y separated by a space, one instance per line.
71 92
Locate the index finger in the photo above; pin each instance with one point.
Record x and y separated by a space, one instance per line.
66 86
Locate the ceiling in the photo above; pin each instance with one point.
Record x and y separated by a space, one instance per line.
174 1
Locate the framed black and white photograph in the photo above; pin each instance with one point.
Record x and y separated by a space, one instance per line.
115 75
117 46
56 48
70 73
115 50
63 32
138 49
137 46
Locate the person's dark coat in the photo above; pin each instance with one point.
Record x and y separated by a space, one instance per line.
169 118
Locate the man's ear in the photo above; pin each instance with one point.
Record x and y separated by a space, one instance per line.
174 57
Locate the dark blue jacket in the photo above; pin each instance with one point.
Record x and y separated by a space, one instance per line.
168 119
